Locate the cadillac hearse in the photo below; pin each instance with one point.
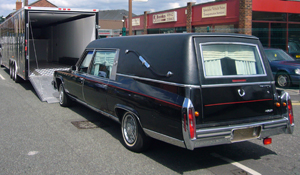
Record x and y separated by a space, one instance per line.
190 90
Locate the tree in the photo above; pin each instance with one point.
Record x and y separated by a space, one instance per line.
2 19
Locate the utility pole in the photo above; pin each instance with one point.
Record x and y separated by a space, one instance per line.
130 17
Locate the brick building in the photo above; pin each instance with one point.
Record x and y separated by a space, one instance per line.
39 3
275 22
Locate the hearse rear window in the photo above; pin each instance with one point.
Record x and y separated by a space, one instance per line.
231 59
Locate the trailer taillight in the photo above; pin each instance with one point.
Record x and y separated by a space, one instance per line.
290 112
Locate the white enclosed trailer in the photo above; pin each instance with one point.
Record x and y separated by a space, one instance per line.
36 41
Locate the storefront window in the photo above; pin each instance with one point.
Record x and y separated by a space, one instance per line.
153 31
278 35
203 29
180 29
294 38
261 30
266 16
294 17
167 30
139 32
224 28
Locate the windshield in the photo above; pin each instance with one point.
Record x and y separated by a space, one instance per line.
231 59
277 55
293 47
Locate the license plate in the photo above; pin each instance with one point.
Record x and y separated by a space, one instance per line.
245 134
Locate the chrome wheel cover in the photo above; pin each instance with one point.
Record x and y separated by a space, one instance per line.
61 94
282 80
129 129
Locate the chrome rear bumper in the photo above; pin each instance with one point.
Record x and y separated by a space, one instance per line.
225 135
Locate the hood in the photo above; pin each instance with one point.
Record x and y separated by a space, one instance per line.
288 63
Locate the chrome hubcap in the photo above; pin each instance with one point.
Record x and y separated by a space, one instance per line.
282 80
61 94
130 129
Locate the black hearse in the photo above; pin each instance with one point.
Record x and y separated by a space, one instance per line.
189 90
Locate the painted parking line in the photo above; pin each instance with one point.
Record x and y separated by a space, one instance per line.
296 103
232 162
2 77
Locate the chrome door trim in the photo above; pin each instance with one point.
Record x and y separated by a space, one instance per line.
158 81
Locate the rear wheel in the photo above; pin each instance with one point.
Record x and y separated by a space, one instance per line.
283 80
64 100
133 135
11 71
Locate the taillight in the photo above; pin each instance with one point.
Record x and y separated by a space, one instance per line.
290 112
192 124
267 141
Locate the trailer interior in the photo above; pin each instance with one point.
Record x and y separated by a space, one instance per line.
56 41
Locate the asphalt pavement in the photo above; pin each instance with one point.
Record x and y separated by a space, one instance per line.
294 93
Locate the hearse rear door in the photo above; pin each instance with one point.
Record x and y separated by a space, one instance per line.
234 81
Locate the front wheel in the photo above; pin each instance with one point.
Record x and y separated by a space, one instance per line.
133 135
64 100
283 80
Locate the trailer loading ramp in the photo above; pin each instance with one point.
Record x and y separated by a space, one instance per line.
41 81
43 88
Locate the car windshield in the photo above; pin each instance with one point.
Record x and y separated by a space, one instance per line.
293 47
277 55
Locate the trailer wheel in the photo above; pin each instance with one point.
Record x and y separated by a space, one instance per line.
11 70
64 100
133 135
16 77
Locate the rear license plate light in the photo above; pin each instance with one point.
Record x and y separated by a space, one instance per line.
245 134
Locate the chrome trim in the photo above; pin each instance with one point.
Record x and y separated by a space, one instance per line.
285 97
97 110
223 135
113 73
229 76
187 104
237 84
159 81
131 110
164 138
266 124
236 36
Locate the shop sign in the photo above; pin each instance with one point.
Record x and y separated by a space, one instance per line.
116 31
214 11
136 22
165 17
109 32
104 32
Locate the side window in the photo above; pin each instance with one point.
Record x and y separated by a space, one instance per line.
103 63
86 62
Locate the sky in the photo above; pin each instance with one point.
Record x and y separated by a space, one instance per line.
138 8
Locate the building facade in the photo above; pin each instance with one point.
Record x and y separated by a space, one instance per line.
275 22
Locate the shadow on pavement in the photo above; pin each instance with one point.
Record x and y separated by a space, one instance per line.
175 158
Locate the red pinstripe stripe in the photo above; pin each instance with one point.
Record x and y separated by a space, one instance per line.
230 103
